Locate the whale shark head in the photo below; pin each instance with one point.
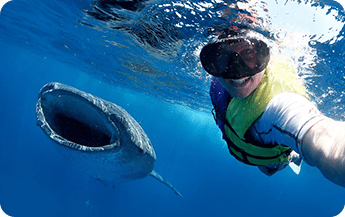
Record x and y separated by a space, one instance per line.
97 136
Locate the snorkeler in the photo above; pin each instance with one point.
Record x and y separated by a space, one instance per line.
264 111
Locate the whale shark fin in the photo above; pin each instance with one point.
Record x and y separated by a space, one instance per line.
160 178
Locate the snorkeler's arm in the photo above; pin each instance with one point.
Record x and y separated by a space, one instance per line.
323 146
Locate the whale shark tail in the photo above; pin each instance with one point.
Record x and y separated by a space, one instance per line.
164 181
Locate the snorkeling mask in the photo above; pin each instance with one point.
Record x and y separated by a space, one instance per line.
235 58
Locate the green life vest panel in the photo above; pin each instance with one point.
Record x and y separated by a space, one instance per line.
279 77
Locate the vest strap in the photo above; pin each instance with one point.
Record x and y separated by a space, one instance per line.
242 112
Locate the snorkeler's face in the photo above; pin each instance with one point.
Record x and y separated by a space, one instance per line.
235 58
245 50
241 88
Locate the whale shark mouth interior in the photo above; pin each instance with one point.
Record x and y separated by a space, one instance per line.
78 120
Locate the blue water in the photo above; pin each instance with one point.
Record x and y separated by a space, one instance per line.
144 58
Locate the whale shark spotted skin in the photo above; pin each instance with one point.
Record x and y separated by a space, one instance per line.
98 137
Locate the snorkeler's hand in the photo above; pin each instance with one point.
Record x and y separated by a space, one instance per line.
323 146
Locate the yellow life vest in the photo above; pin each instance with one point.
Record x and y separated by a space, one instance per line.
279 77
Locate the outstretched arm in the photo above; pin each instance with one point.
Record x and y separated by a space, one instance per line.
323 146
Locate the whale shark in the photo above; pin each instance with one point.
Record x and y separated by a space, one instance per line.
96 136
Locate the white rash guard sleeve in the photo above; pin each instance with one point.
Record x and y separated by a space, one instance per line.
286 119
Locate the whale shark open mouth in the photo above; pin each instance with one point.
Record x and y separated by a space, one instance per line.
75 124
75 119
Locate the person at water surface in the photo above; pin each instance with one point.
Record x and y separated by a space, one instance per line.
264 111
